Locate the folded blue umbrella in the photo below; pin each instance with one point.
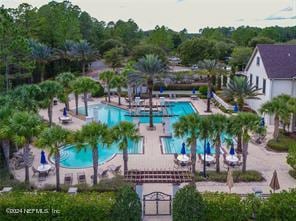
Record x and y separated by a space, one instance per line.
43 158
193 91
208 149
65 112
183 149
232 152
262 122
161 90
235 108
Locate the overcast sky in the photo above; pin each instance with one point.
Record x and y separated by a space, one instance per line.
189 14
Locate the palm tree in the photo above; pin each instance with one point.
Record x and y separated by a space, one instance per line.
119 81
83 85
149 67
6 133
210 68
64 79
107 78
93 134
218 126
244 123
280 108
239 89
84 52
53 138
65 53
122 133
25 126
188 125
49 90
205 129
41 54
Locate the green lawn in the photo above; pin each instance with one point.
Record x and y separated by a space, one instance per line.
283 143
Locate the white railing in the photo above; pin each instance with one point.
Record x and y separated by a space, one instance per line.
222 102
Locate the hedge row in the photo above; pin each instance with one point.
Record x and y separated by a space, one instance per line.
177 87
231 207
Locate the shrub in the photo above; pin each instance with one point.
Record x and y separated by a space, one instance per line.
177 87
203 90
292 173
99 92
238 176
279 206
127 205
188 205
283 143
91 206
225 207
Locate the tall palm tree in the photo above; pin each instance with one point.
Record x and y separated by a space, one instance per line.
93 134
205 129
49 90
239 89
65 53
119 81
149 68
218 126
280 108
83 85
244 123
84 52
210 68
188 126
53 138
6 133
122 133
65 79
42 54
25 126
107 77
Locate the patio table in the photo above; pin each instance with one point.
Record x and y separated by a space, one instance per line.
209 158
44 168
183 158
232 159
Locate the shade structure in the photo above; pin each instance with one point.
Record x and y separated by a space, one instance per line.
274 183
65 112
208 149
235 108
183 149
43 158
232 152
229 181
161 90
193 91
262 122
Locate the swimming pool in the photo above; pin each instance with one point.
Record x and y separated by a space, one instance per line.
111 115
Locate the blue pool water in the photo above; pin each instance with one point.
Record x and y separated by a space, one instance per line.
71 158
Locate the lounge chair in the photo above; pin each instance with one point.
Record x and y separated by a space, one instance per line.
72 190
177 164
68 179
35 171
81 178
175 156
42 176
103 174
114 169
6 190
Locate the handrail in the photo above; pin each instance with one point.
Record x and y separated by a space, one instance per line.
222 102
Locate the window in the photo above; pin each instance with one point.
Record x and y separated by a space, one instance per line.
264 86
258 61
257 82
251 79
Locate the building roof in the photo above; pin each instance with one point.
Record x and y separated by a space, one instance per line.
279 60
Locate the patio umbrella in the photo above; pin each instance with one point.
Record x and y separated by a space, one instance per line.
161 90
183 149
229 181
193 91
274 183
232 152
235 108
208 149
262 122
65 112
43 158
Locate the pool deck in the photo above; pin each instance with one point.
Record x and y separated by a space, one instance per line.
258 158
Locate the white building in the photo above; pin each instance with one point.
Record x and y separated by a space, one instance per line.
273 69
